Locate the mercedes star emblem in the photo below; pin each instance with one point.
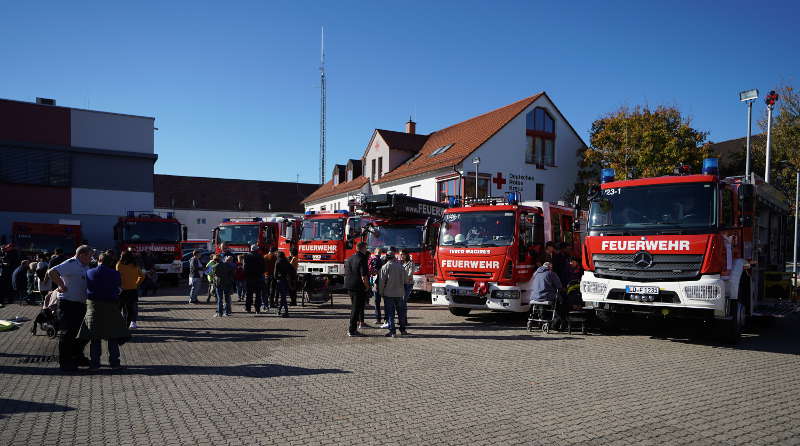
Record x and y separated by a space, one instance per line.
643 259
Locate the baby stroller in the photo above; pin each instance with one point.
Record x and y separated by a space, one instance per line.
47 320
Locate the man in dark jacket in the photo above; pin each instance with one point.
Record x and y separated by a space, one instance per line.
283 275
19 280
223 284
356 280
196 269
546 284
254 279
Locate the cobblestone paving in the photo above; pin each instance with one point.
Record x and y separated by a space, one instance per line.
193 379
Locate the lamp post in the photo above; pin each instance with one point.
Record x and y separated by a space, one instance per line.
476 161
748 96
770 100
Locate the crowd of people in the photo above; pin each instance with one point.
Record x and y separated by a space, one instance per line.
264 281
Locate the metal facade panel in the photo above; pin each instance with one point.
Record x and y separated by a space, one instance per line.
20 165
90 171
34 123
111 131
110 202
30 198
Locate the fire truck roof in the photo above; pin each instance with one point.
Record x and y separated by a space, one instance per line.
672 179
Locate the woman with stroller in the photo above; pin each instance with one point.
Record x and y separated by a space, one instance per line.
103 319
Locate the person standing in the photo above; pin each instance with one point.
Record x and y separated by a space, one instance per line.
195 276
103 319
131 277
238 275
224 282
254 278
375 265
408 287
19 280
392 288
70 280
294 260
284 276
57 259
356 280
270 285
212 291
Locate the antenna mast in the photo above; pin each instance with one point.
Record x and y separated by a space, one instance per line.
323 101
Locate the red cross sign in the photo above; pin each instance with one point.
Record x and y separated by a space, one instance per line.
499 180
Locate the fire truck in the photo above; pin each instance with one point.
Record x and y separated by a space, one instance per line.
34 238
159 237
265 232
326 241
488 250
406 223
683 247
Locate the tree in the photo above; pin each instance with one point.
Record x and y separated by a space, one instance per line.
785 142
641 142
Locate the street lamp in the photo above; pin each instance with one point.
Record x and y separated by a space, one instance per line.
476 161
770 100
748 96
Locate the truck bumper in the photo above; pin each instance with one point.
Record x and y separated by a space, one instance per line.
175 268
451 295
320 268
675 299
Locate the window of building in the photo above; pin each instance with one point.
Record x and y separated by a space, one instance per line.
32 166
336 177
540 191
201 221
469 186
372 172
323 208
380 167
349 174
440 150
414 191
541 135
449 187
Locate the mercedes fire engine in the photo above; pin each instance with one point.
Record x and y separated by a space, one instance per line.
35 238
326 241
160 237
406 223
265 232
685 246
488 251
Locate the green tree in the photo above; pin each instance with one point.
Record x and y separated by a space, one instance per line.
641 142
785 144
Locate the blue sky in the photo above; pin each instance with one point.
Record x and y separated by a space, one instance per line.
234 85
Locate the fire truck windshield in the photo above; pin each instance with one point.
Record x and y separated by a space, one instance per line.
151 231
408 237
238 234
683 205
323 229
477 229
44 242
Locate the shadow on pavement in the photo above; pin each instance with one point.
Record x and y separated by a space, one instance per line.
244 370
152 335
9 407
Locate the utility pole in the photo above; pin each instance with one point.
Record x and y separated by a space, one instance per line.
772 97
323 104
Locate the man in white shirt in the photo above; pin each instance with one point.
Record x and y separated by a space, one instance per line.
70 278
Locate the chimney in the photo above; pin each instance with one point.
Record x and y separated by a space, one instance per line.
45 101
411 127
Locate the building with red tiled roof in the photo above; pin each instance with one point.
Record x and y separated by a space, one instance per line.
527 146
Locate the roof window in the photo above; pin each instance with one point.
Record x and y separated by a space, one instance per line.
440 150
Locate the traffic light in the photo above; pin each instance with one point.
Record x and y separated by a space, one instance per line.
771 98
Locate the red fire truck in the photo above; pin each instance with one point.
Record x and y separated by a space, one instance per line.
326 241
684 246
488 248
160 237
266 232
34 238
409 224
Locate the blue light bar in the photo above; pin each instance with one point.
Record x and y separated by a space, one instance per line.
607 175
170 215
512 197
226 220
310 212
452 201
711 166
342 212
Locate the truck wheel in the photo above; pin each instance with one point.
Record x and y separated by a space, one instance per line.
460 311
730 331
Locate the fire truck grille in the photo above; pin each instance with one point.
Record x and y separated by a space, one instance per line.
665 267
469 300
163 257
668 297
470 275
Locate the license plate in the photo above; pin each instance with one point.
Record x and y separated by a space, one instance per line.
459 292
641 289
316 257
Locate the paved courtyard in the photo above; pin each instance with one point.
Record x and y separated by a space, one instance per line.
193 379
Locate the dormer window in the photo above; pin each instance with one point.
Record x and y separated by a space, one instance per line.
349 174
440 150
541 136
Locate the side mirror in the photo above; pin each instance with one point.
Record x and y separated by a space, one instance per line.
290 233
185 231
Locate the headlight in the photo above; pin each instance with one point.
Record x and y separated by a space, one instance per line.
593 287
439 291
703 292
505 294
333 269
301 268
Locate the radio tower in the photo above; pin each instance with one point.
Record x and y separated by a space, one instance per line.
322 111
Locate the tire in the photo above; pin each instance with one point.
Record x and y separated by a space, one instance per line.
51 332
545 327
730 331
455 311
530 325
